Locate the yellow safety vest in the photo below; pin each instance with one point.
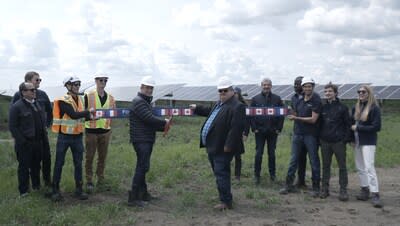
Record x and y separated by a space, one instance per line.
94 102
64 123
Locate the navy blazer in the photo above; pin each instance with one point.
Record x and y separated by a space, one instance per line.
227 128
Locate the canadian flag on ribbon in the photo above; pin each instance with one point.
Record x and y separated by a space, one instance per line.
259 111
175 111
112 114
99 114
270 111
247 111
187 111
282 111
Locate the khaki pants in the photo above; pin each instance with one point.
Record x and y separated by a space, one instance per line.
97 142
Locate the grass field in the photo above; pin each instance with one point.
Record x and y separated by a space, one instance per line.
179 174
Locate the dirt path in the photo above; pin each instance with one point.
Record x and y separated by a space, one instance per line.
292 209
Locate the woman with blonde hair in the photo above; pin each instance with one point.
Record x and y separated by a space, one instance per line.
366 123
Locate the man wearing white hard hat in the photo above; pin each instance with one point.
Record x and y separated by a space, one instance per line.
221 135
143 128
98 132
306 129
68 121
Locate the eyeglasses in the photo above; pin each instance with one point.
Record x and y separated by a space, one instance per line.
76 84
103 80
223 90
32 90
361 91
38 80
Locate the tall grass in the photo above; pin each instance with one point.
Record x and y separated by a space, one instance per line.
180 174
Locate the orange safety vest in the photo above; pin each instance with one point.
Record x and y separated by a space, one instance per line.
94 102
64 123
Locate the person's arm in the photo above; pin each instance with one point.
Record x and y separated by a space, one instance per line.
312 120
281 119
375 125
202 110
15 98
69 110
13 124
141 110
49 110
236 128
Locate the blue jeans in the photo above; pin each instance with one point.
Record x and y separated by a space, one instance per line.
63 143
143 155
310 143
261 138
221 166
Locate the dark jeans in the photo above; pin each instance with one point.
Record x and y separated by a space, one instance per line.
301 171
46 160
270 138
238 164
143 155
63 143
310 142
28 156
221 166
339 150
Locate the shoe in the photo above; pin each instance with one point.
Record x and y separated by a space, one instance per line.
324 194
47 183
89 188
79 194
314 193
343 196
237 178
257 180
23 195
57 197
133 199
223 206
301 186
272 178
364 194
375 200
287 189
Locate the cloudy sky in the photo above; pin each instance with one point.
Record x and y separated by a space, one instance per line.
196 42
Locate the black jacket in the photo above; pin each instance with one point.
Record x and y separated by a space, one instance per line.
227 128
368 130
264 123
43 100
22 121
335 122
143 124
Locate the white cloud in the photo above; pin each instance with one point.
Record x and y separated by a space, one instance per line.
224 33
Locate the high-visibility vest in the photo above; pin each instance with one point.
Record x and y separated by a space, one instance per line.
64 123
95 103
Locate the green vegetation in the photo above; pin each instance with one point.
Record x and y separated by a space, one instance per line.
179 174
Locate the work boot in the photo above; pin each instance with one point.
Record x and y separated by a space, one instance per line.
324 193
343 196
133 199
79 194
375 200
56 195
315 190
364 194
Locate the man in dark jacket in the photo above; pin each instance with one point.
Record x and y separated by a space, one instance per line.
266 129
28 127
43 100
143 127
334 132
221 134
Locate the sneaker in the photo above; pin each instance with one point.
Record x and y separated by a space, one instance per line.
89 188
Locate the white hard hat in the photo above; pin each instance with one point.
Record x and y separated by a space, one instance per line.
306 80
148 81
100 75
70 79
224 82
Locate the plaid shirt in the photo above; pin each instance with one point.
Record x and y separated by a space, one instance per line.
208 123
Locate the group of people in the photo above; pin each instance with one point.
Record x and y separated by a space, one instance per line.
326 124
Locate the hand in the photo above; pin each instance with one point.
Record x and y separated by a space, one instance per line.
244 138
256 131
226 149
291 117
353 127
91 110
192 106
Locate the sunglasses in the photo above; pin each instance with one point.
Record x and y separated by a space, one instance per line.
361 91
32 90
223 90
76 84
103 80
38 80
